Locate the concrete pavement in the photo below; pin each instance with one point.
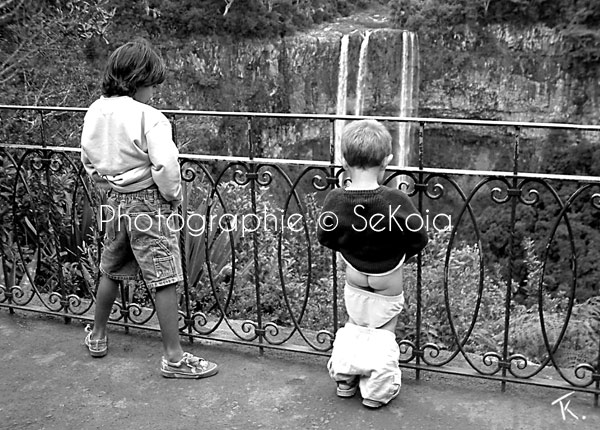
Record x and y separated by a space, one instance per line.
48 381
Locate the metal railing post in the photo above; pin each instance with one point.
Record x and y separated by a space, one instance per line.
513 194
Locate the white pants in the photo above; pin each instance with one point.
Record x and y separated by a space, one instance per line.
369 354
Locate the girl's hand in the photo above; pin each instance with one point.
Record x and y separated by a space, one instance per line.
175 204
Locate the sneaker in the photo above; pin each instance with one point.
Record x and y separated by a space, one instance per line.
189 367
346 390
374 404
98 348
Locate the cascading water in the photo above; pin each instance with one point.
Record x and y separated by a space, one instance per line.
407 95
407 103
362 72
341 96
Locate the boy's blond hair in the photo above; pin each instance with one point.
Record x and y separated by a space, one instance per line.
366 143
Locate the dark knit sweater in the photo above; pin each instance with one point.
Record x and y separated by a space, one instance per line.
369 227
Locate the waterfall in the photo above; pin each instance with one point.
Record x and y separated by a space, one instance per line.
341 96
362 72
407 95
407 104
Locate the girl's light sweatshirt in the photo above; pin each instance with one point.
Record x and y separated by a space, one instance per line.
129 145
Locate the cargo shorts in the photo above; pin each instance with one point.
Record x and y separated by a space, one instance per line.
141 238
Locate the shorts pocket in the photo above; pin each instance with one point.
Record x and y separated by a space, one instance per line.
164 267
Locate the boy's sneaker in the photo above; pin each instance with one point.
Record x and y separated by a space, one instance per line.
98 348
189 367
346 390
374 404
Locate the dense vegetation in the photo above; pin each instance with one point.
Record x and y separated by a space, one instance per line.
438 15
537 222
236 18
578 21
51 50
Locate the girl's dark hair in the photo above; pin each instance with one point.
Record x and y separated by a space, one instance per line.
132 66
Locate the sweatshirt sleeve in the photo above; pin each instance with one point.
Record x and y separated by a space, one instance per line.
164 157
92 172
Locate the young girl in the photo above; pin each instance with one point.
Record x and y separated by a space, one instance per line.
127 148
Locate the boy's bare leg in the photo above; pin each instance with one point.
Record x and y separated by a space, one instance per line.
166 309
105 297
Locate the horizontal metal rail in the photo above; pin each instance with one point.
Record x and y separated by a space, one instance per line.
332 117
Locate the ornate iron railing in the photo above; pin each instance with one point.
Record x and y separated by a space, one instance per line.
256 275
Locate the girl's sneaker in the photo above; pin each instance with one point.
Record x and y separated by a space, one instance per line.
98 348
189 367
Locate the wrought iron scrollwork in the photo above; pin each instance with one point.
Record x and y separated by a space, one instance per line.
47 274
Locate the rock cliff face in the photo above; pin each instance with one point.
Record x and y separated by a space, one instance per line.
299 74
503 75
510 75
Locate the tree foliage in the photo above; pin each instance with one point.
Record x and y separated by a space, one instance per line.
578 21
451 293
42 42
437 15
34 36
237 18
